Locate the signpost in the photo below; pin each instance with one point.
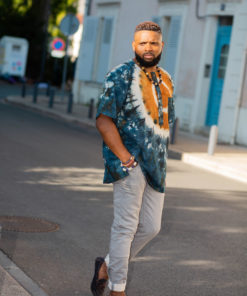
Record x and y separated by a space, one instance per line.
58 46
69 25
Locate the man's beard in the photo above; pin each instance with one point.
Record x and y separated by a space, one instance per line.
146 64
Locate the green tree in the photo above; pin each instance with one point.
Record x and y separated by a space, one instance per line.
35 20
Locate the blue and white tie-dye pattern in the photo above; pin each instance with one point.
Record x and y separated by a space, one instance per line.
130 100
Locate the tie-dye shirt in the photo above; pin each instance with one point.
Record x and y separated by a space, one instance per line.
130 99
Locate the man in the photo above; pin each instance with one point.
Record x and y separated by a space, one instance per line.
133 118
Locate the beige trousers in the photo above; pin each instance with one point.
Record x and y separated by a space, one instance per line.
137 219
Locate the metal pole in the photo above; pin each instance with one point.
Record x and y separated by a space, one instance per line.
23 91
35 93
174 131
88 7
48 89
51 100
91 109
65 65
70 103
212 139
44 45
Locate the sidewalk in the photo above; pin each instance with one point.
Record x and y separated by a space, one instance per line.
9 286
228 160
14 282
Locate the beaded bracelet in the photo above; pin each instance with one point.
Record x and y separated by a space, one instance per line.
128 169
128 161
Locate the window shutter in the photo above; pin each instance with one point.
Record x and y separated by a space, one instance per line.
88 45
157 20
172 45
105 49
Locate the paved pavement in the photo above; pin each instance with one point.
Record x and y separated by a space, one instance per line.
7 89
10 278
9 286
191 149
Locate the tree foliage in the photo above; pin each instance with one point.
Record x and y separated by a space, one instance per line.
31 19
58 11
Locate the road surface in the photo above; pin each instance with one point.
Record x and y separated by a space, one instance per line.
53 171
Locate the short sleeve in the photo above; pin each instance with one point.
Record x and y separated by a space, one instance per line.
171 107
114 94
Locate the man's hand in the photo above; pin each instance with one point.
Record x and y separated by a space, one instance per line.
111 137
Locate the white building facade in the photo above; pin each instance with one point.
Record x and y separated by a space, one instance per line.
205 53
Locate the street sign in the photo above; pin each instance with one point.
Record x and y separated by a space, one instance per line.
57 53
58 44
69 24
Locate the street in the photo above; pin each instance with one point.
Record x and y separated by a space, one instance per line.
53 171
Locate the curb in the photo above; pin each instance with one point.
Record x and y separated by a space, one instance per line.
23 281
174 154
49 112
204 162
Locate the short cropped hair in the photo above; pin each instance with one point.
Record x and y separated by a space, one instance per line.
148 26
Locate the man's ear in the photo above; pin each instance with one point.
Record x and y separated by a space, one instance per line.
133 45
163 44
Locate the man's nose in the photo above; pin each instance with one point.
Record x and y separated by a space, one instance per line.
148 47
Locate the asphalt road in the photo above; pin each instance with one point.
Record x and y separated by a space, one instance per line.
52 170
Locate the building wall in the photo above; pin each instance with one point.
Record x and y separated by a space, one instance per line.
121 49
211 12
84 91
243 95
188 59
191 53
130 15
200 102
194 59
232 120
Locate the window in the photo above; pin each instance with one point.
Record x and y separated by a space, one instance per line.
95 48
171 26
16 48
225 20
223 61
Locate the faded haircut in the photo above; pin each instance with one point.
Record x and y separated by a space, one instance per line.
148 26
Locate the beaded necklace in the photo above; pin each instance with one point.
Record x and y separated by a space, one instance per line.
156 83
150 79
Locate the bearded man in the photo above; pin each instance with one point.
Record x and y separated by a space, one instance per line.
133 118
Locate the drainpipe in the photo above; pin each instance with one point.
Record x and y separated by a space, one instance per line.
199 17
240 100
88 7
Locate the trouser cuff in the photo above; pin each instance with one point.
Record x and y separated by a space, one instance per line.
116 287
107 260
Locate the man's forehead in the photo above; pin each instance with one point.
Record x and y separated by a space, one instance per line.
147 35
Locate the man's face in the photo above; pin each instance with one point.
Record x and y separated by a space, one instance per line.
148 46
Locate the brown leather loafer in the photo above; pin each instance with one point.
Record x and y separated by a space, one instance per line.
98 285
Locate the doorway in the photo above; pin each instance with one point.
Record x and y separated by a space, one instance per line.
219 69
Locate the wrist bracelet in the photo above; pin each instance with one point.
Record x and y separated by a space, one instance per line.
128 161
128 169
